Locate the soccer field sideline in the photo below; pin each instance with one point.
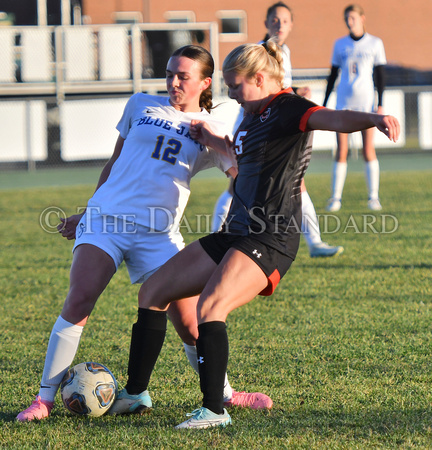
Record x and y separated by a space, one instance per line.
320 163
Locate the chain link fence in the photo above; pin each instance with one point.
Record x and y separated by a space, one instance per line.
63 90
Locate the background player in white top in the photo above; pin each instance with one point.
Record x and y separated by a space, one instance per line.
134 213
279 23
359 57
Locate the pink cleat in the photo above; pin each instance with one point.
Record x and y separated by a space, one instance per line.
39 409
254 400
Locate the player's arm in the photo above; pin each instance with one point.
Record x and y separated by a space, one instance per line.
68 225
232 172
331 80
228 151
379 81
108 166
346 121
229 148
303 91
201 132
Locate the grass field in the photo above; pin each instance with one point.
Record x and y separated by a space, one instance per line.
321 163
342 347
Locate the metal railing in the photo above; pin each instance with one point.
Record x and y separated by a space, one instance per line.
63 90
84 59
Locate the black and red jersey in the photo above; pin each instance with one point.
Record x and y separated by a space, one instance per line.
273 150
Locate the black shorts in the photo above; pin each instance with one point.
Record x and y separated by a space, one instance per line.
273 263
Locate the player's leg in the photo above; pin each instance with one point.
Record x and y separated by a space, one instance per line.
339 173
150 253
372 170
184 319
235 282
311 230
183 315
183 276
90 273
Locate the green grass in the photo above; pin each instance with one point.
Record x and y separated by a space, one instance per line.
321 163
342 347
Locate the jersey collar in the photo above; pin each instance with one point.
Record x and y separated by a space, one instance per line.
283 91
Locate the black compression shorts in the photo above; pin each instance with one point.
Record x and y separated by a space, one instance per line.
273 263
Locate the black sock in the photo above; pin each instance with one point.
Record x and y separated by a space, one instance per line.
148 335
212 353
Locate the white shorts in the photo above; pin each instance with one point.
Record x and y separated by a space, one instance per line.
143 250
365 107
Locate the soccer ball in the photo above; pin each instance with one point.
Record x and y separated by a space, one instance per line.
88 389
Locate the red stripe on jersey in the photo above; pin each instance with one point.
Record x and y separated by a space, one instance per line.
284 91
306 115
273 281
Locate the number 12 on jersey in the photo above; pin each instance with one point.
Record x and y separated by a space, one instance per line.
173 148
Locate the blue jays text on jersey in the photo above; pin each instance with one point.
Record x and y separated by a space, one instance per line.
181 130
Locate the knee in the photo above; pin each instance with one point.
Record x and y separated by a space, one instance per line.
341 156
188 330
369 154
185 322
188 334
149 298
78 307
212 310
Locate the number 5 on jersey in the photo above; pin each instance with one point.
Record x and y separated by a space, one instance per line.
173 148
238 145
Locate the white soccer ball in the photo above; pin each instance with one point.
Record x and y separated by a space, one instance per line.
88 389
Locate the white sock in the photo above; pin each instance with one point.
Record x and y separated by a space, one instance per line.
372 172
62 347
191 353
338 178
221 210
310 224
228 391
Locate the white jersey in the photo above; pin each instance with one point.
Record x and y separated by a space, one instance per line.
149 184
357 59
287 66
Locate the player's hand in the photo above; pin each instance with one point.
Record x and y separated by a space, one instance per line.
200 131
304 92
229 146
388 125
68 226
